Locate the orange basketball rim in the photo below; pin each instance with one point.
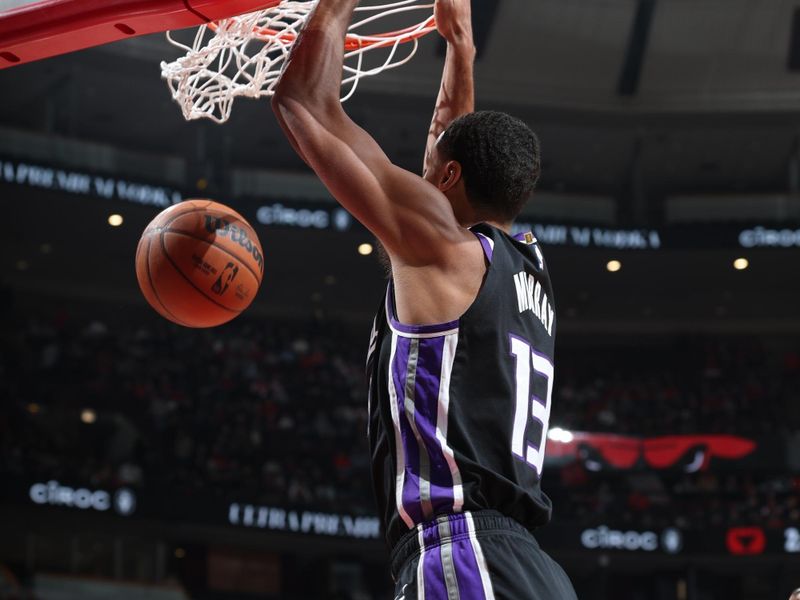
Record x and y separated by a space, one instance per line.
35 29
354 42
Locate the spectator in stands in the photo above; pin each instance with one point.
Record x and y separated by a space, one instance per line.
274 413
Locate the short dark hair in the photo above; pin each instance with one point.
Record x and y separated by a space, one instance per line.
500 161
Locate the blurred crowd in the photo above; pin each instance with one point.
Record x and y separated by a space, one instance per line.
269 412
694 501
274 412
747 387
686 386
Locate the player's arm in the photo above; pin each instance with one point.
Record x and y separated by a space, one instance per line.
410 216
457 90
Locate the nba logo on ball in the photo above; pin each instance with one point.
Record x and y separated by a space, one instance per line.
199 263
223 281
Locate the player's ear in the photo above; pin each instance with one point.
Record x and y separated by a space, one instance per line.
450 175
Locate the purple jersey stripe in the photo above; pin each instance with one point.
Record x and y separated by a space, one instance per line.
433 574
488 245
429 368
413 329
410 493
423 329
470 586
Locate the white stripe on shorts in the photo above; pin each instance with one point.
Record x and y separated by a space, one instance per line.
482 567
420 565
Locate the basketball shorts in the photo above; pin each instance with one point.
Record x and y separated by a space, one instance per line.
479 555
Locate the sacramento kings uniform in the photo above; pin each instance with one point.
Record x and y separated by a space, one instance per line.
458 418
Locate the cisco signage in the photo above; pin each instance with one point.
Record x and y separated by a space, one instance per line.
86 184
607 538
307 215
300 521
52 493
765 237
172 506
304 216
629 539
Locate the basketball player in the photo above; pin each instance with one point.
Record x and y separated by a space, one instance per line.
461 354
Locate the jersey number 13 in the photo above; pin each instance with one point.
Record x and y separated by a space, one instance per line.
531 367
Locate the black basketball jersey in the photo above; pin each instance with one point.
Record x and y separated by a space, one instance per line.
458 412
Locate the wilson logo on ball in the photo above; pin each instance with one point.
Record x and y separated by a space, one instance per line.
236 234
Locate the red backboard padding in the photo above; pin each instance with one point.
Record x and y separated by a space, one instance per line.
52 27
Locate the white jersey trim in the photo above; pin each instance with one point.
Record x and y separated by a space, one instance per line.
443 414
400 465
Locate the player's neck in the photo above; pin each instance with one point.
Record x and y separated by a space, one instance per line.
498 224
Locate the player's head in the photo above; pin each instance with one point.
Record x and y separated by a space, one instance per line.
497 157
795 595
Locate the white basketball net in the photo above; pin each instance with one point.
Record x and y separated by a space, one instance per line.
244 55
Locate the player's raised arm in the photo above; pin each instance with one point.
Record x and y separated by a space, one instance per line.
457 90
411 216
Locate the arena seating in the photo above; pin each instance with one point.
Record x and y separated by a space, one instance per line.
274 411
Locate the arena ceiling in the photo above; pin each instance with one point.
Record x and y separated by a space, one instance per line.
714 108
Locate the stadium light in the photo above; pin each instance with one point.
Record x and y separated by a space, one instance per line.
365 249
115 220
740 264
560 435
613 266
88 416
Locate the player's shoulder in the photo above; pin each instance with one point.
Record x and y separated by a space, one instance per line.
517 245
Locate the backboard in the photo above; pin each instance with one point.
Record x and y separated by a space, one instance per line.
35 29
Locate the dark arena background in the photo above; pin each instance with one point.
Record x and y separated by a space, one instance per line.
139 459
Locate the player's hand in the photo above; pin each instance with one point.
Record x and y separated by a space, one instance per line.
454 20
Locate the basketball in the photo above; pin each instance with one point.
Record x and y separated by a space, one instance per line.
199 263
